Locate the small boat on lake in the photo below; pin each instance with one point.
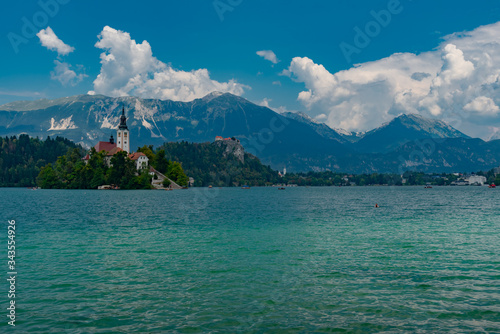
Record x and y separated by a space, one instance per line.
492 186
245 187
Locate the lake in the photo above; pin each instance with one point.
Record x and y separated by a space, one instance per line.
299 260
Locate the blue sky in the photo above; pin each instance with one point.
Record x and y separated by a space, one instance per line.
223 38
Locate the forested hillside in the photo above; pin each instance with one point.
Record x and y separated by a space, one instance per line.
21 158
210 164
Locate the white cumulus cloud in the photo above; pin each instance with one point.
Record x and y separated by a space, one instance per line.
268 55
129 68
65 75
458 82
482 105
50 40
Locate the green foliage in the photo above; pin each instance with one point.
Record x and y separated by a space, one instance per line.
148 151
123 171
22 159
208 164
176 174
166 183
70 172
160 162
47 178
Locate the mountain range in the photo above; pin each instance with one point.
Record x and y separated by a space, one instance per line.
291 140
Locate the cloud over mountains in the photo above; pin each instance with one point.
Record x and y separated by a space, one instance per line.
129 68
458 82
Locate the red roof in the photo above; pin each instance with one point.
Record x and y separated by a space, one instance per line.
136 155
104 146
114 151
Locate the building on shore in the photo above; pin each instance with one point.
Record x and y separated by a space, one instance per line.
459 182
471 180
476 180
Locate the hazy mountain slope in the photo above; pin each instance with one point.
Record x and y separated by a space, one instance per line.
321 128
403 129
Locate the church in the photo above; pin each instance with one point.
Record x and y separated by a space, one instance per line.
122 144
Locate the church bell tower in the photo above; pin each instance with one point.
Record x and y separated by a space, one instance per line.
123 136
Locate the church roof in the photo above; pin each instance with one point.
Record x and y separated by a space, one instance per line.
136 155
104 146
114 151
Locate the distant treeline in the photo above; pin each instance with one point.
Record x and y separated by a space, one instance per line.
21 158
409 178
329 178
57 163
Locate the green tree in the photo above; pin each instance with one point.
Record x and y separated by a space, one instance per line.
21 158
166 183
122 171
160 162
98 178
47 179
176 174
148 151
144 180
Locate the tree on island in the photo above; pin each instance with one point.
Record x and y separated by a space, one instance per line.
166 183
161 163
176 174
70 172
122 172
171 169
148 151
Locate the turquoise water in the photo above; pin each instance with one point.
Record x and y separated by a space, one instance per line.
255 261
